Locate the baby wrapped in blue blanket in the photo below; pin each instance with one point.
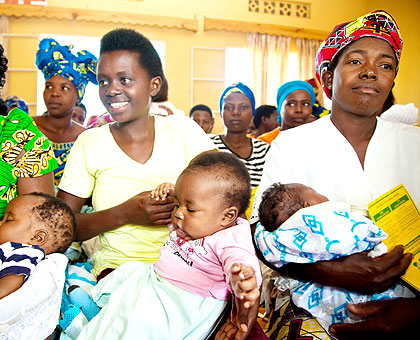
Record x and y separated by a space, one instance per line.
299 225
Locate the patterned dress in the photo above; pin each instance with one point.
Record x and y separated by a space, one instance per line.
25 152
61 152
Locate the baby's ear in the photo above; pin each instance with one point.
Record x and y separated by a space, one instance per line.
40 237
230 216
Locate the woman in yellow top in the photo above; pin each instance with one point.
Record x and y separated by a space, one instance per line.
119 163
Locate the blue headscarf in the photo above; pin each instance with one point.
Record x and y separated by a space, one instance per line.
15 101
288 88
237 88
54 59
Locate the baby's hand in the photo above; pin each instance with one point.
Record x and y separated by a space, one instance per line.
162 191
244 285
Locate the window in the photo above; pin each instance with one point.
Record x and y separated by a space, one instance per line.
238 66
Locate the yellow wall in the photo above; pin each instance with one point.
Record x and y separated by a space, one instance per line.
325 15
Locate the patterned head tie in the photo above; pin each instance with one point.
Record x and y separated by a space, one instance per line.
54 59
15 101
237 88
377 24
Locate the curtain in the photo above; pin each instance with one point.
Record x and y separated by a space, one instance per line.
307 49
269 58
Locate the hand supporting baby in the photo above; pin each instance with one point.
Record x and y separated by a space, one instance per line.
244 285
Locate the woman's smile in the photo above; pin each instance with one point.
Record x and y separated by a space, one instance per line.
117 107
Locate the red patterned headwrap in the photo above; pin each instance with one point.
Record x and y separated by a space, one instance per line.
377 24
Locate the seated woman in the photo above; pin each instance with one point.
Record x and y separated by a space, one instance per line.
237 107
354 157
66 76
298 225
119 163
27 159
295 100
26 164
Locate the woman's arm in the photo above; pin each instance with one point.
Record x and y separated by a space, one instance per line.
357 272
385 319
44 183
229 329
140 210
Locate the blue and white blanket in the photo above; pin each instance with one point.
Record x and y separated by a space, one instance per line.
323 232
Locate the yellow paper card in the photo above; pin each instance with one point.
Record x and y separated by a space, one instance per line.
396 214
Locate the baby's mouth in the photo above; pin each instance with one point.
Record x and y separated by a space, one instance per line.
179 232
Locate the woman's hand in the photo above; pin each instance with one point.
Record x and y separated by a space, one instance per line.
246 295
357 272
386 319
142 209
229 331
363 274
240 315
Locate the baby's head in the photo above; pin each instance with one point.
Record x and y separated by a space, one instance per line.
280 201
210 194
39 219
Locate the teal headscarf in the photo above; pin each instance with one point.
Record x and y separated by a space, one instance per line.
288 88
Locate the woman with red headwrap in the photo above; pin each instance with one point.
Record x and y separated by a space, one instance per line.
354 156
